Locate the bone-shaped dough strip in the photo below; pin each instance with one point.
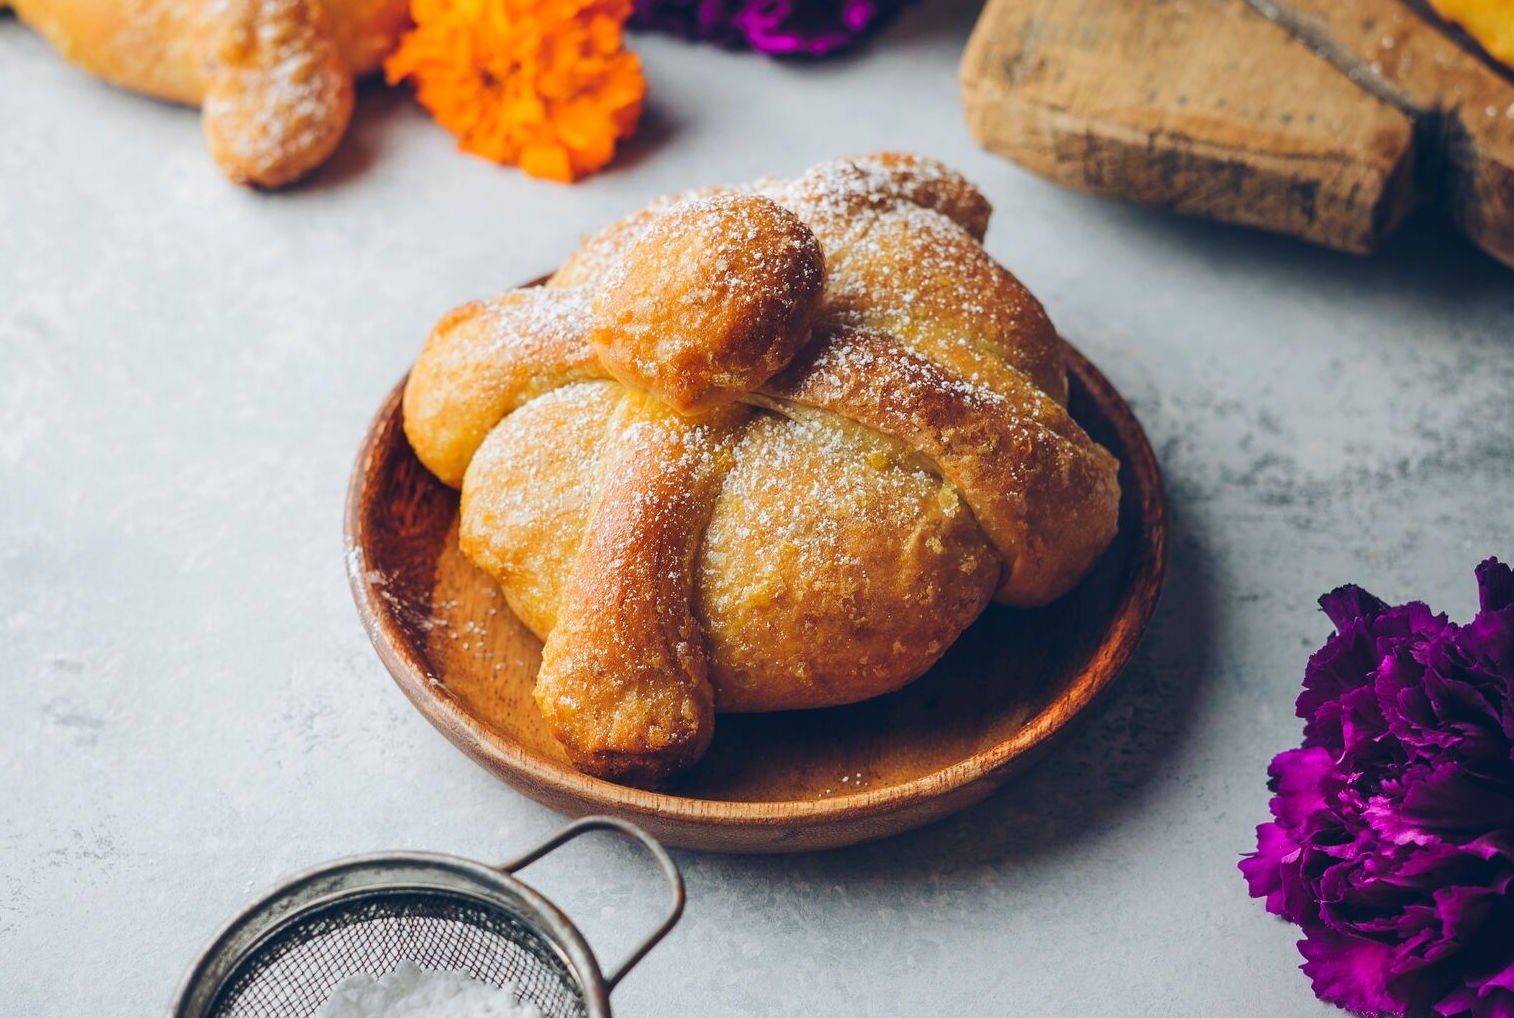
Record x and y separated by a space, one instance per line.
918 276
485 359
1045 493
624 681
278 94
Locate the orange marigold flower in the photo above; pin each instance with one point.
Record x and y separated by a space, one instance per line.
546 84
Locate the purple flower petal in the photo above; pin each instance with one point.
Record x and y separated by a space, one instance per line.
1297 778
1264 869
1349 971
1392 845
1447 799
776 27
1495 585
1347 604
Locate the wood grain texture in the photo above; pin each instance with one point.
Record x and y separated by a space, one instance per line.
1326 119
770 782
1464 108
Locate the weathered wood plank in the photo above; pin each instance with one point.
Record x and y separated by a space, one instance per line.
1329 120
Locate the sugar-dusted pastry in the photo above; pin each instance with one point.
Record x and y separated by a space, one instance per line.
273 77
760 448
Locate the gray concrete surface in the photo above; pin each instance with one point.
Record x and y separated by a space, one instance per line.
190 709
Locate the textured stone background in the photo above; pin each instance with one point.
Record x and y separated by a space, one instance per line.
190 708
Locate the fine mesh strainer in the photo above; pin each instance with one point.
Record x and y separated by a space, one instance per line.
284 954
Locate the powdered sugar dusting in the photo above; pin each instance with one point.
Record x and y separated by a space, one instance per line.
539 319
277 96
862 360
861 475
410 991
926 383
712 298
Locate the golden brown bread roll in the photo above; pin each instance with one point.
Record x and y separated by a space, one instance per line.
760 448
274 77
709 301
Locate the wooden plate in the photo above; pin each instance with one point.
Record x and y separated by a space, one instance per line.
771 782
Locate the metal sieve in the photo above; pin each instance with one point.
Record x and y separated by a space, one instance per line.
284 954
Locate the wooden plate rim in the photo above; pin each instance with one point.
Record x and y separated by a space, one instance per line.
1131 616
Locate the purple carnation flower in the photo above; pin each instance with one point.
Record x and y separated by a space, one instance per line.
775 27
1393 843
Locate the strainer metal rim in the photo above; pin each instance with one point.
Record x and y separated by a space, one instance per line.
322 887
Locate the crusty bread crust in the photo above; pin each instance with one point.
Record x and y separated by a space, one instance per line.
666 323
485 360
717 475
1044 493
275 77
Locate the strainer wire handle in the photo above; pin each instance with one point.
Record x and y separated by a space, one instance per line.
629 830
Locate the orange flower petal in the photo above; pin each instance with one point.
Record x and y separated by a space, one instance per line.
549 162
546 84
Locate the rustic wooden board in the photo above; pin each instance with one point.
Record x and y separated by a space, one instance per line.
1326 119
